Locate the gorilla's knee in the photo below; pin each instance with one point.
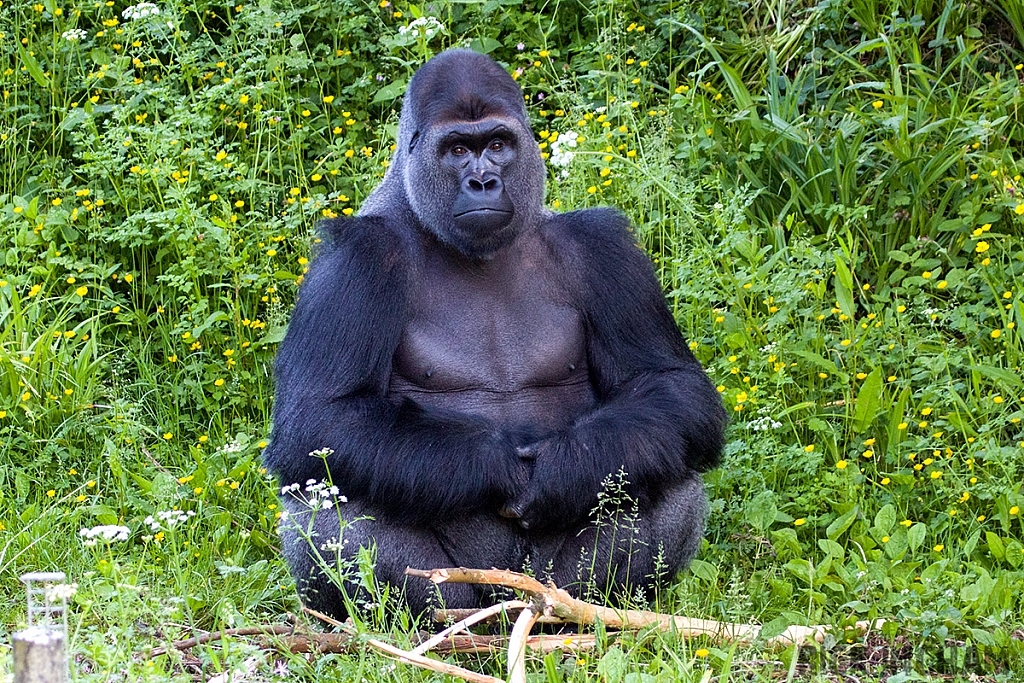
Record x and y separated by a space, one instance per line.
630 549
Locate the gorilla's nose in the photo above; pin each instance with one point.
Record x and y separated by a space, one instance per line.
482 186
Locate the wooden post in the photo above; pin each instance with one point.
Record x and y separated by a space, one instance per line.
39 656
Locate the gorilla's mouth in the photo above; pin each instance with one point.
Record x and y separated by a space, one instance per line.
481 212
482 221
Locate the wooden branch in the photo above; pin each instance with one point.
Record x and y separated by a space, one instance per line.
517 644
558 602
432 664
445 616
217 635
470 644
465 623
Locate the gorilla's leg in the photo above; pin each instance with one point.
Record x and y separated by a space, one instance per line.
623 551
314 539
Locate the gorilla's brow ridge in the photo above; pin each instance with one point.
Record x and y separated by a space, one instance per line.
467 130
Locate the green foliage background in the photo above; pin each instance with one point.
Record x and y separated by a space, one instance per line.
831 193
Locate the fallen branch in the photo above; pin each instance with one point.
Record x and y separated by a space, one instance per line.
465 623
558 602
217 635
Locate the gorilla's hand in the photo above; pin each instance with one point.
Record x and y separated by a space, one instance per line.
527 456
531 507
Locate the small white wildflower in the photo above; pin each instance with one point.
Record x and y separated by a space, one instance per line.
140 11
428 27
321 453
74 35
61 591
105 532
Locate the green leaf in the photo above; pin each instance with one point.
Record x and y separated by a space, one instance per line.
916 536
842 524
390 91
886 518
33 67
704 571
995 545
1014 553
869 399
761 511
1003 375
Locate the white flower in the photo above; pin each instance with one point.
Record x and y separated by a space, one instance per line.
140 11
106 533
61 591
74 35
426 26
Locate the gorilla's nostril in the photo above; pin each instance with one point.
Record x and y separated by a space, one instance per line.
492 185
475 185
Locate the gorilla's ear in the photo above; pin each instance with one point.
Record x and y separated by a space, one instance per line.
412 142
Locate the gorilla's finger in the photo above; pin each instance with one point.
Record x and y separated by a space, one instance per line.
511 512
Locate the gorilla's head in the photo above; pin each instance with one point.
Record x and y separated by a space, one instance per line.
466 157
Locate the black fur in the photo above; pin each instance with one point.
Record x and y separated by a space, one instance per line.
475 393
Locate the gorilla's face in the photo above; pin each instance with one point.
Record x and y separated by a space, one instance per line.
472 170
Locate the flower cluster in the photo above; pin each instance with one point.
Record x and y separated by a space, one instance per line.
74 35
561 150
320 495
107 533
140 11
428 27
167 519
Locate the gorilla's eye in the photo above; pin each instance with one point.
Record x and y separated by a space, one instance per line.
459 150
496 146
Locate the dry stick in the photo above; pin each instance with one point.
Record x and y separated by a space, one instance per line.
478 616
217 635
407 657
446 616
432 664
563 605
517 644
470 644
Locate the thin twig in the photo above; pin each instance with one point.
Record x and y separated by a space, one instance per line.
432 664
517 644
217 635
474 618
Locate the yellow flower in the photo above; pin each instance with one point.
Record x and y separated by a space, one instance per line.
82 291
809 448
271 252
1019 210
886 481
938 548
997 399
982 247
841 465
702 653
168 436
51 493
906 523
926 274
1014 510
128 278
799 522
328 99
218 383
877 104
995 334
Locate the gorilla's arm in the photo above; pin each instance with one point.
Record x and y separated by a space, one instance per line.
659 418
412 463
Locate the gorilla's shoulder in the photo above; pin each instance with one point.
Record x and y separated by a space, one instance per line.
370 236
601 233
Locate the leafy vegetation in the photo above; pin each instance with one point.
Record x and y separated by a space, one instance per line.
831 193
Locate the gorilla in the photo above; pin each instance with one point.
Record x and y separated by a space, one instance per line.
469 369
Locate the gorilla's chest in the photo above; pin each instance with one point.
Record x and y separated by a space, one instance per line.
497 341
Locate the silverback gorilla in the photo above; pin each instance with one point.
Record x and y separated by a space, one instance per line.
478 366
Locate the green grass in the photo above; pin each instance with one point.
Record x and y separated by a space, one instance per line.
831 193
